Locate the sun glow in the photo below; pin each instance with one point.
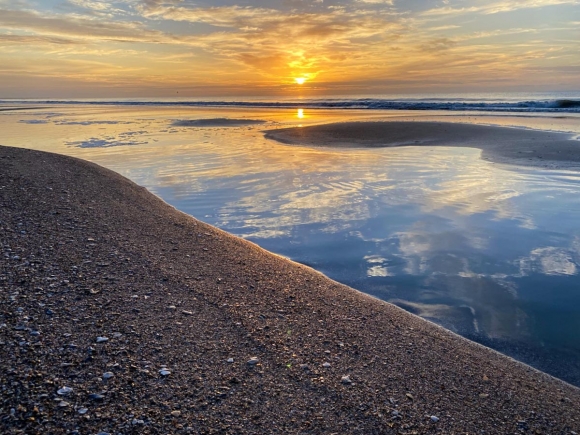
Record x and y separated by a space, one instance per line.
300 80
300 113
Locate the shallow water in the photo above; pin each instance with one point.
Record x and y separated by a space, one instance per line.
489 251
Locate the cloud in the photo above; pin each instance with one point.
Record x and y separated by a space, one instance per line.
95 7
497 7
282 44
80 27
34 40
377 2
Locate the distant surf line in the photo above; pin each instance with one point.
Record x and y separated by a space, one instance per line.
451 105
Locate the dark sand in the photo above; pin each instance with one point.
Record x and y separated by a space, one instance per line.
498 144
87 253
6 109
216 122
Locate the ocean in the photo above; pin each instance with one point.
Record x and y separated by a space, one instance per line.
490 251
559 102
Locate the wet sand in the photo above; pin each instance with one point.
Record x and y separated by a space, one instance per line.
87 254
498 144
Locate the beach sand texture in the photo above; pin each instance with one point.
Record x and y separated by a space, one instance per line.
498 144
87 254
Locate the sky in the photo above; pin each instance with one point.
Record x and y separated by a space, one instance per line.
288 48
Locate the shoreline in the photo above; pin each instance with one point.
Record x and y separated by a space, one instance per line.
504 145
87 254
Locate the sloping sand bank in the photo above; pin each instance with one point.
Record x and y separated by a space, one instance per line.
498 144
87 254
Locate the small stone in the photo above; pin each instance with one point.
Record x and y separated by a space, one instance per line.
164 372
83 411
172 307
176 413
117 335
96 397
326 365
64 391
63 404
346 380
230 360
253 361
102 339
187 313
304 366
108 375
34 333
410 396
434 419
484 396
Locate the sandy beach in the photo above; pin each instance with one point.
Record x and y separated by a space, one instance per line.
121 314
498 144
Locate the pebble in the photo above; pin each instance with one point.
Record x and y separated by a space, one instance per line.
102 339
83 411
253 361
96 397
64 391
35 333
230 360
410 396
164 372
108 375
63 404
187 313
434 419
176 413
346 380
171 307
326 365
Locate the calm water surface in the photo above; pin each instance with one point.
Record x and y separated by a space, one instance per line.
489 251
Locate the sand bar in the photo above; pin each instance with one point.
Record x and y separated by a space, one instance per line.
498 144
120 314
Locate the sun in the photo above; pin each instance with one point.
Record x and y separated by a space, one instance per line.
300 80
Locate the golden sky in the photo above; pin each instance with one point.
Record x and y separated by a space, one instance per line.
201 48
